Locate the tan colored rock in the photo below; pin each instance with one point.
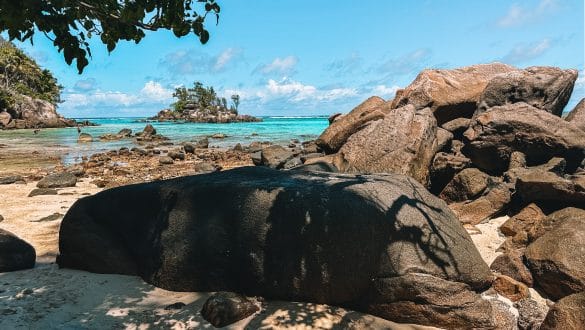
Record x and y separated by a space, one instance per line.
543 87
511 264
344 126
484 207
510 288
557 258
525 221
404 142
495 134
577 115
450 94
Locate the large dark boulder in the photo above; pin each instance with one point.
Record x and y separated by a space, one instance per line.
545 88
465 185
225 308
577 115
309 236
341 129
452 93
495 134
275 156
404 142
567 314
556 258
15 254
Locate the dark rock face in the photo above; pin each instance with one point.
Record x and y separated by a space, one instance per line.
567 314
495 134
58 180
545 88
225 308
404 142
450 94
341 129
15 254
556 258
290 235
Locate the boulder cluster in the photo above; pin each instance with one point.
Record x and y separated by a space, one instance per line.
33 113
371 215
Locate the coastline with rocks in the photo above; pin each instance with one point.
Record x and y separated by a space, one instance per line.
457 204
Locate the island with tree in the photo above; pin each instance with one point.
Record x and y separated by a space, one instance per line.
201 104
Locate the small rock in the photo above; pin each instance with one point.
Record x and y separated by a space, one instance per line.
202 144
165 160
11 179
15 253
52 217
218 136
205 167
510 288
84 138
58 180
510 264
148 130
175 306
1 218
189 148
175 155
100 183
42 191
238 147
225 308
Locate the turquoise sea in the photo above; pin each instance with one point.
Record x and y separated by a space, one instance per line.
280 130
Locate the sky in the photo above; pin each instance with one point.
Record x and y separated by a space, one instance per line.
303 58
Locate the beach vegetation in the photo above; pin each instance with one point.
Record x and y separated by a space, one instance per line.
21 75
69 24
203 98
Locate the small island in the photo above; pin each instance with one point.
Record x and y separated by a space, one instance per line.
201 104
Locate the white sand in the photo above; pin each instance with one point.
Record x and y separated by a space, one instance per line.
487 238
47 297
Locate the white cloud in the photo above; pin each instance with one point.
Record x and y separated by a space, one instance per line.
156 92
85 84
518 15
295 92
405 64
193 61
223 59
383 90
284 65
345 66
525 52
151 93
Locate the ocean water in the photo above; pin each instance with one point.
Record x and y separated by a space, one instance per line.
280 130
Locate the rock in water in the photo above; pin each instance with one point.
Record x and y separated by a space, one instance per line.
341 129
58 180
275 156
84 138
545 88
404 142
293 235
15 254
495 134
577 115
556 258
148 130
225 308
567 314
450 94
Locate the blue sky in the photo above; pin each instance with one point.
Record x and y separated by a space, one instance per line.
319 57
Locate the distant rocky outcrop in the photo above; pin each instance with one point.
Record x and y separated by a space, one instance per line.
28 95
194 115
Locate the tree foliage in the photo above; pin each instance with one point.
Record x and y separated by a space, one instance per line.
201 98
70 23
20 75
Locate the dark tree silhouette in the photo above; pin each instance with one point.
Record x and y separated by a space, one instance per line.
70 23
